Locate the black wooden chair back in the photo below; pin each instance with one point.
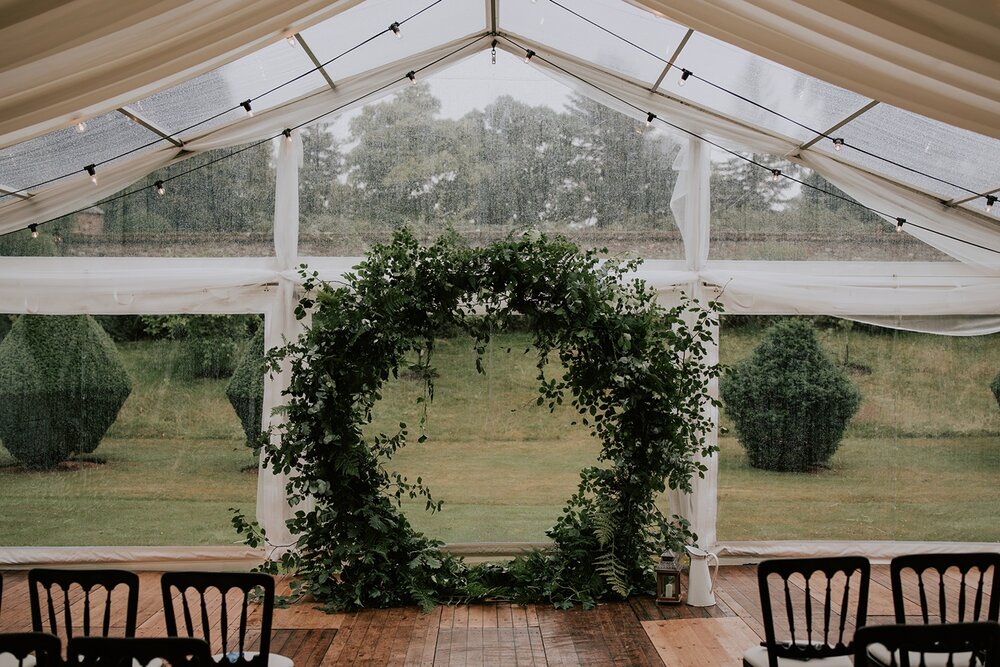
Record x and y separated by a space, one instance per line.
819 603
56 597
946 588
133 652
915 645
45 650
200 591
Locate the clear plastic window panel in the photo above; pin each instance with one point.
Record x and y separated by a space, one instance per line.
963 158
806 101
65 154
340 38
210 207
755 217
269 77
502 465
117 430
488 150
917 461
568 27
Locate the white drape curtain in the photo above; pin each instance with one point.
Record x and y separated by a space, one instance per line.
63 60
938 58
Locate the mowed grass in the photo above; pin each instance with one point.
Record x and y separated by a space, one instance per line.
921 460
172 468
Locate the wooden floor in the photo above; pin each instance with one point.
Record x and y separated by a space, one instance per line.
497 633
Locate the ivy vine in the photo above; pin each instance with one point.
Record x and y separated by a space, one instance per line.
635 371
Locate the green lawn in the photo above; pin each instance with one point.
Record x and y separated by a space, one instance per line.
921 460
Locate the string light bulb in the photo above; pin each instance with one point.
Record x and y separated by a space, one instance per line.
990 200
412 76
81 127
838 143
292 42
92 170
395 30
685 74
160 189
528 54
288 135
775 175
899 224
650 118
246 107
34 230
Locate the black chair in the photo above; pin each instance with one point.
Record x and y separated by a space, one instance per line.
199 591
61 590
951 644
943 598
816 619
132 652
942 588
30 648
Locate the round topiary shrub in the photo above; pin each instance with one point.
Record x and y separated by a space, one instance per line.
789 402
61 386
246 388
995 386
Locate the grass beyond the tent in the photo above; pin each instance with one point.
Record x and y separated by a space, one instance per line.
921 460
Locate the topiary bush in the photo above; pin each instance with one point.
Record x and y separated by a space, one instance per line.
789 402
209 344
61 386
246 388
995 387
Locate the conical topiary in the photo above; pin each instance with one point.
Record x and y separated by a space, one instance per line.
789 402
61 387
246 388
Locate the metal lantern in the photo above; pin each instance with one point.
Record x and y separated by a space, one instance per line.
668 580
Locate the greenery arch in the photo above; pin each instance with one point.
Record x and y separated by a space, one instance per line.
635 371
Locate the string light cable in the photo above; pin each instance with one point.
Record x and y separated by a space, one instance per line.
245 105
838 142
160 185
775 173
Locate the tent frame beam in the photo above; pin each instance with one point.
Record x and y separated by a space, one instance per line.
315 61
138 118
670 62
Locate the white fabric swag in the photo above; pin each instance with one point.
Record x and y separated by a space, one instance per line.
62 60
938 58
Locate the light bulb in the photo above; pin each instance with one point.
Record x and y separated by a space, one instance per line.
81 127
838 143
650 118
899 224
92 170
990 200
528 55
292 41
246 106
288 135
395 30
685 73
775 174
412 76
160 189
34 230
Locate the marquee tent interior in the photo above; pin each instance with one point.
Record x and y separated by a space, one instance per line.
890 108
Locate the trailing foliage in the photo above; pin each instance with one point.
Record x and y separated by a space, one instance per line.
635 372
61 386
789 402
245 390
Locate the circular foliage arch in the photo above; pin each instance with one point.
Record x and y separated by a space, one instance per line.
635 371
